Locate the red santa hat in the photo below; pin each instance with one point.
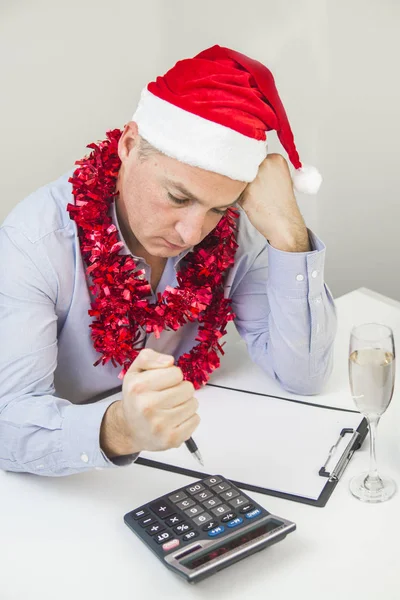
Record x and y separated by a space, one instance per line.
213 111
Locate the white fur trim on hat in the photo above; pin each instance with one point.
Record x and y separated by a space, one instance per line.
197 141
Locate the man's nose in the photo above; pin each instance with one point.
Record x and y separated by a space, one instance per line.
190 229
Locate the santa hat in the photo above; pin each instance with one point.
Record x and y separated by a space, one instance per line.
213 111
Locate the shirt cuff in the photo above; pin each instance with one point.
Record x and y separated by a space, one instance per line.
81 437
297 274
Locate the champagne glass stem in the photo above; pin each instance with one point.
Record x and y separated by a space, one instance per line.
373 481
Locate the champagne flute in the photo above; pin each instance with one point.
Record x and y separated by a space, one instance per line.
372 367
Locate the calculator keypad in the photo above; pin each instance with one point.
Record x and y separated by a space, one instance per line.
212 506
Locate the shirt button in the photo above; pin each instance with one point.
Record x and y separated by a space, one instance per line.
314 274
300 277
84 457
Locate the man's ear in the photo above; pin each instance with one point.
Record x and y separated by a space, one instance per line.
128 141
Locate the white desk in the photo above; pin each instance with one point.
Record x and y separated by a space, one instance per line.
64 538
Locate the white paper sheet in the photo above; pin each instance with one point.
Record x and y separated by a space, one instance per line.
266 442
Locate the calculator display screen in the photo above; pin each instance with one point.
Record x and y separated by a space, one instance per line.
235 542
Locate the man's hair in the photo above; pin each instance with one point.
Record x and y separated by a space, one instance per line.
146 149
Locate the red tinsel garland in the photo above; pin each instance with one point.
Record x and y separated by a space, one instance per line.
120 305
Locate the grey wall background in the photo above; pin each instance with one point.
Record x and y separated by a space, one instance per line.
71 70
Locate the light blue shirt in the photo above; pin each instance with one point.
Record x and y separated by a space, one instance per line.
51 405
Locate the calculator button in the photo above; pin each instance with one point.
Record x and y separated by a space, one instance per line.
195 510
212 481
228 517
221 487
139 514
253 514
190 535
220 510
170 545
235 522
173 520
210 525
216 531
236 502
186 503
160 538
195 488
202 518
212 502
147 521
246 508
182 528
177 497
229 494
162 509
203 495
155 528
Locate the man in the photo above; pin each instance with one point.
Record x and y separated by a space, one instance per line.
138 247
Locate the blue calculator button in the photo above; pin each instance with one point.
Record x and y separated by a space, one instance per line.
217 531
253 514
235 522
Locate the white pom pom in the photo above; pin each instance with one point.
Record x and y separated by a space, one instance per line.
307 179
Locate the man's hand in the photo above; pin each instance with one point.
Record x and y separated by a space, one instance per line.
157 410
271 206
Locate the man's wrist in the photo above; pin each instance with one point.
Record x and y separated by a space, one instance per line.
115 439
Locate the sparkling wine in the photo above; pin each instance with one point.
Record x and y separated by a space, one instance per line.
372 375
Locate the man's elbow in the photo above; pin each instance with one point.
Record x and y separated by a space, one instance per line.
309 384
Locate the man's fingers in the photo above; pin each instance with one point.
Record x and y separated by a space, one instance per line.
150 359
153 380
183 431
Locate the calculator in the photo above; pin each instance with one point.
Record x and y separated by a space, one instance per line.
206 526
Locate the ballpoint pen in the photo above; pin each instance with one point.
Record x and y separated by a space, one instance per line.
193 449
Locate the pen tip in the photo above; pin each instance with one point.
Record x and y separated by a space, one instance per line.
199 457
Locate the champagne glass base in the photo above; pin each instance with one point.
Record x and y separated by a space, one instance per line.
373 494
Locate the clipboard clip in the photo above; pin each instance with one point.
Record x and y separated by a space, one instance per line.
346 455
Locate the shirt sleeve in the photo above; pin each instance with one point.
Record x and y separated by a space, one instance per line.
286 314
39 432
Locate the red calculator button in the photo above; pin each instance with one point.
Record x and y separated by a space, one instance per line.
170 545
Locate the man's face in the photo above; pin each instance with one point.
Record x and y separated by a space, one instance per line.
169 206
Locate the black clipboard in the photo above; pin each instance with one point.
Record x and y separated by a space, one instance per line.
355 439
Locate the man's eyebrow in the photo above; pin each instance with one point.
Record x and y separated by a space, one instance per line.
181 188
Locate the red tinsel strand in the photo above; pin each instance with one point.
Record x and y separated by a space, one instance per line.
120 306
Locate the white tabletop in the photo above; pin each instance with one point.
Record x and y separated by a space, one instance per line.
63 538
